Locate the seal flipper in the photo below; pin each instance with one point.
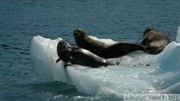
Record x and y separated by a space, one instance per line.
116 63
111 63
67 64
58 60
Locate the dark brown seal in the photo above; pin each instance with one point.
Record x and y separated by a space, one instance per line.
155 41
75 55
103 49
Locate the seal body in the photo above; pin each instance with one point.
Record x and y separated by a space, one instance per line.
103 49
75 55
154 41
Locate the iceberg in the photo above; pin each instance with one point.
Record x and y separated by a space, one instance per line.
138 72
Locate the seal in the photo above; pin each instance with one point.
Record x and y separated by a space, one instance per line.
103 49
75 55
154 41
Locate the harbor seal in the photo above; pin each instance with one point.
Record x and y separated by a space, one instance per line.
103 49
75 55
154 41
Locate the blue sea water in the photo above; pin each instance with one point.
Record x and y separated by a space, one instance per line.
21 20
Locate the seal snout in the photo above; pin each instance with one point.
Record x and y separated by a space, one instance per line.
77 31
62 44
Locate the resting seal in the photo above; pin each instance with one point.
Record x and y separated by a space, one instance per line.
103 49
154 41
75 55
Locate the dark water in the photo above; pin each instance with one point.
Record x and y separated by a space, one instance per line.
20 20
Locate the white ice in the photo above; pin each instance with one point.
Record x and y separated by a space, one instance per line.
138 72
178 34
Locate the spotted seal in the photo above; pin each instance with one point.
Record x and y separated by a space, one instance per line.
103 49
75 55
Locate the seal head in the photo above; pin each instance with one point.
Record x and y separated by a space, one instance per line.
154 41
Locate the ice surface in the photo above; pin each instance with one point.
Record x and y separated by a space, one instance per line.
178 35
138 72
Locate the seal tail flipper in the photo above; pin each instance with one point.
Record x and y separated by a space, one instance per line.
114 63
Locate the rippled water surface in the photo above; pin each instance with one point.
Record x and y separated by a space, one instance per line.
20 20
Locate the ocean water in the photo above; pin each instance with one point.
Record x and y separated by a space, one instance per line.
21 20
